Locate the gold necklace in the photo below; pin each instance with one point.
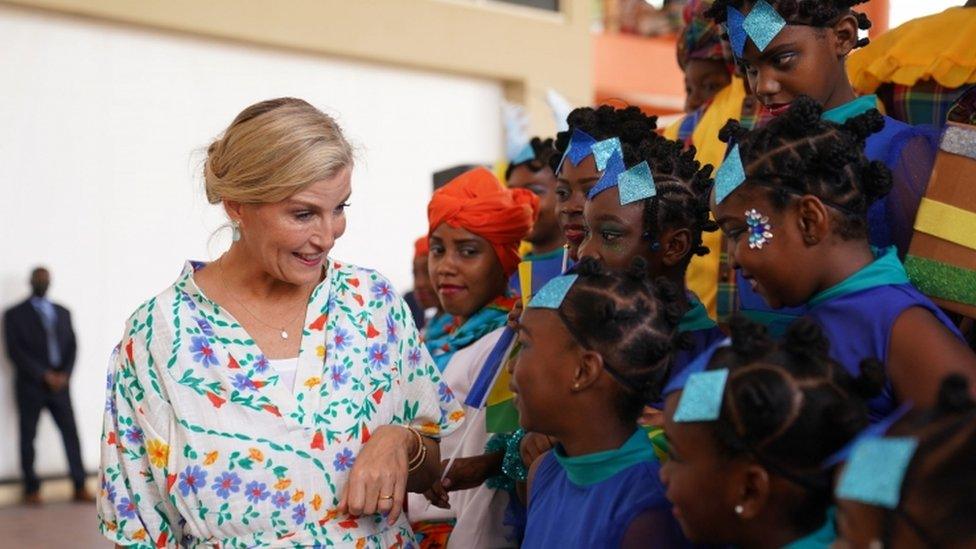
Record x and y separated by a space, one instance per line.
223 280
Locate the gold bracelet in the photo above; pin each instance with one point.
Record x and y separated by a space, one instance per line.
420 456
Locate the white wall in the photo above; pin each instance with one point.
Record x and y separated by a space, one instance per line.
101 132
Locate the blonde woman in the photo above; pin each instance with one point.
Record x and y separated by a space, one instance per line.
273 397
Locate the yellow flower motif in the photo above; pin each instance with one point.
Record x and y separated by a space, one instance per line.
283 484
456 415
316 502
299 496
312 381
255 454
320 351
140 534
211 458
158 452
430 428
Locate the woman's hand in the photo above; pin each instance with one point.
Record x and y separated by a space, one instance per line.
514 315
465 473
378 480
534 445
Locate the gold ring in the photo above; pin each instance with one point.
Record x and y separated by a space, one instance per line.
386 497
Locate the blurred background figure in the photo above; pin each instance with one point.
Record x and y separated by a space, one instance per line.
41 344
422 299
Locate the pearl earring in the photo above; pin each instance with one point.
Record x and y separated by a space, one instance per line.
738 509
235 228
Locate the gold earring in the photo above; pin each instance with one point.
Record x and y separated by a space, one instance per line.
576 387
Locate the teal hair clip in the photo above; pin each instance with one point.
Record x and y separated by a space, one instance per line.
729 176
551 295
525 154
701 399
876 471
761 25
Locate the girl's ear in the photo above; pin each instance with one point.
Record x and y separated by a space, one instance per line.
844 34
588 369
812 219
675 245
755 492
234 210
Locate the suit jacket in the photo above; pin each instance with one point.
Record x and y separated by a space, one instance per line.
26 341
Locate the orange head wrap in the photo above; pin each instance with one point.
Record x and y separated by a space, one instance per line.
475 201
421 247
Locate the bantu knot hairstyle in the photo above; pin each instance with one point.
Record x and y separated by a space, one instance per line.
789 406
814 13
939 489
542 150
683 185
631 321
799 153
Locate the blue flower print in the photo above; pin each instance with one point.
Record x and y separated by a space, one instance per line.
413 357
189 302
243 383
340 340
378 355
205 327
383 291
134 435
256 492
126 508
226 483
298 514
108 381
445 392
339 376
202 352
280 500
261 364
391 330
344 460
192 479
109 491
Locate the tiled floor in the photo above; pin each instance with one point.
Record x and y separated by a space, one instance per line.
51 526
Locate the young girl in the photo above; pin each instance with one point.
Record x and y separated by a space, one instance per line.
793 198
915 487
748 437
475 229
595 349
658 214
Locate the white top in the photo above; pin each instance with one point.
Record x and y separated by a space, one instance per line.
287 369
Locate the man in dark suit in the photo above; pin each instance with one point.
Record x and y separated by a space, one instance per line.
41 345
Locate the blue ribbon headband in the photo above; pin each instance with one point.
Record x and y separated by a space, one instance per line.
551 295
729 176
702 397
761 25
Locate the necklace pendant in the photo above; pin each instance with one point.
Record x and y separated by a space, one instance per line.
284 334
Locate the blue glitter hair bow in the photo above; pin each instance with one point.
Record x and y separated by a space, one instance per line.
876 470
636 183
702 397
551 295
730 175
761 25
582 144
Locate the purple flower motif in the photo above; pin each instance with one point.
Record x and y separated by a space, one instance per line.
189 302
298 514
127 508
134 435
340 339
378 355
261 364
226 483
383 291
192 479
340 375
243 383
256 492
391 330
344 460
445 392
202 352
280 500
110 492
109 380
205 327
413 357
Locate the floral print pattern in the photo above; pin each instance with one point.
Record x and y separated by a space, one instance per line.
203 446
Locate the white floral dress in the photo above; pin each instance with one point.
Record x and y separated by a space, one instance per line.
204 446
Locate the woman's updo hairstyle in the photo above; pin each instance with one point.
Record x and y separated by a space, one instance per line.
272 150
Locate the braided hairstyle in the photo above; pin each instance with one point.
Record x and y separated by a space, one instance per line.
799 153
683 185
813 13
939 488
542 152
631 321
789 406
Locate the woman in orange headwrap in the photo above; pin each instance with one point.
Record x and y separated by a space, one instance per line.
476 226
